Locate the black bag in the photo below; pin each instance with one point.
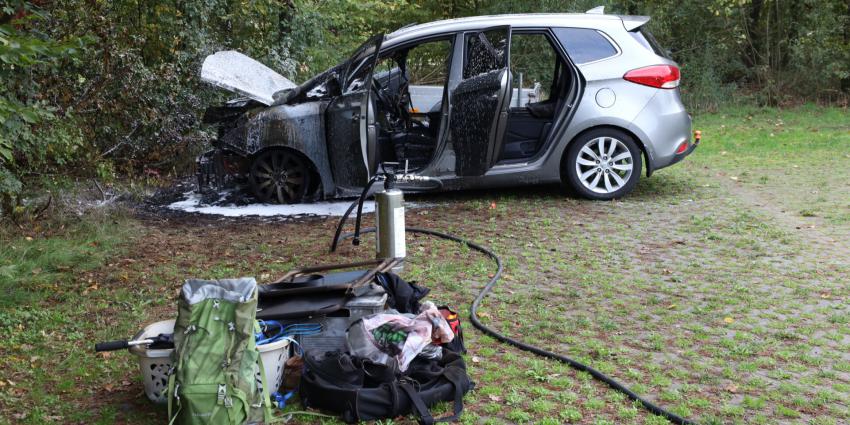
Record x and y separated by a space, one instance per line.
359 390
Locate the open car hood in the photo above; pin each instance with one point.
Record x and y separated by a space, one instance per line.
238 73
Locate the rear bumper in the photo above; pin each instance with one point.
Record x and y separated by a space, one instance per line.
663 126
692 146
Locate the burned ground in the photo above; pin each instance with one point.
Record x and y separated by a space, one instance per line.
718 289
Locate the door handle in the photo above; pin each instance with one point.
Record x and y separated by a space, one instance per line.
355 118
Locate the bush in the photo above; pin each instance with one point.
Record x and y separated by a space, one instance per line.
34 135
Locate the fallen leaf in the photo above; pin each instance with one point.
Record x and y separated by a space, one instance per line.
733 178
732 388
475 359
728 319
494 397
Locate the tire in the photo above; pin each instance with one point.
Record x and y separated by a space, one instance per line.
602 164
280 176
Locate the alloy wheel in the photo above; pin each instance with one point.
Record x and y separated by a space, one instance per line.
278 176
604 165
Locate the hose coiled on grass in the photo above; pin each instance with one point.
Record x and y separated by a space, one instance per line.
473 316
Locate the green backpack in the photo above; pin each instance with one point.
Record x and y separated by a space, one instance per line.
216 356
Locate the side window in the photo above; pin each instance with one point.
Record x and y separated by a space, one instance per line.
585 45
427 73
358 75
534 64
485 52
424 75
645 38
360 65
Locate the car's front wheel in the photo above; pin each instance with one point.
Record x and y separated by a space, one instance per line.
602 164
279 176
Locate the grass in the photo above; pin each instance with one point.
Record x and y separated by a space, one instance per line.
725 300
770 151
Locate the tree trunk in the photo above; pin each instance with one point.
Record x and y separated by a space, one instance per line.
845 82
753 16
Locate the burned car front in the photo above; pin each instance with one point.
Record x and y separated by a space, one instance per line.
271 139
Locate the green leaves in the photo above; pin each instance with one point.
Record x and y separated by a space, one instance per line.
30 134
9 183
5 150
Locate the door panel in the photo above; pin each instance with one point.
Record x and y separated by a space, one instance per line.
480 101
350 119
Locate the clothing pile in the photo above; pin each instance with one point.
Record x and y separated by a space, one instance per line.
399 361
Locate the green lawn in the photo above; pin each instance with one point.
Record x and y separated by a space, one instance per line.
719 289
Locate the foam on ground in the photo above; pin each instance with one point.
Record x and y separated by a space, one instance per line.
193 204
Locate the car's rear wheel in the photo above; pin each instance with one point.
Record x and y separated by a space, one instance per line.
279 176
602 164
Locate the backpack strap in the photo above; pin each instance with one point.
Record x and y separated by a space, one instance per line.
451 374
425 417
171 396
266 398
172 378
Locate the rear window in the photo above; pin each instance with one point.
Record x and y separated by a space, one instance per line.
645 38
585 45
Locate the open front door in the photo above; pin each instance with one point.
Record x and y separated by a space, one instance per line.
350 119
480 101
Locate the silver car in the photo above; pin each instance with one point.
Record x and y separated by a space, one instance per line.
590 100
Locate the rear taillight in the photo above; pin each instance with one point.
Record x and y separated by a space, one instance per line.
658 76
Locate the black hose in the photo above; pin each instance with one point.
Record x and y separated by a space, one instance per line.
360 200
341 223
473 316
359 204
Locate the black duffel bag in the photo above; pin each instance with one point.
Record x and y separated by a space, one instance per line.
360 390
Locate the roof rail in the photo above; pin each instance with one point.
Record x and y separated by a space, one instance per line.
407 26
598 10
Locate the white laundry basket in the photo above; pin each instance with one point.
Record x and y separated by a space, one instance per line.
155 364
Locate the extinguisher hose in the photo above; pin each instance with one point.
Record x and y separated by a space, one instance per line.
473 316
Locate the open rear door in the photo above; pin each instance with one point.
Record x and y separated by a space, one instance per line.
480 101
350 119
